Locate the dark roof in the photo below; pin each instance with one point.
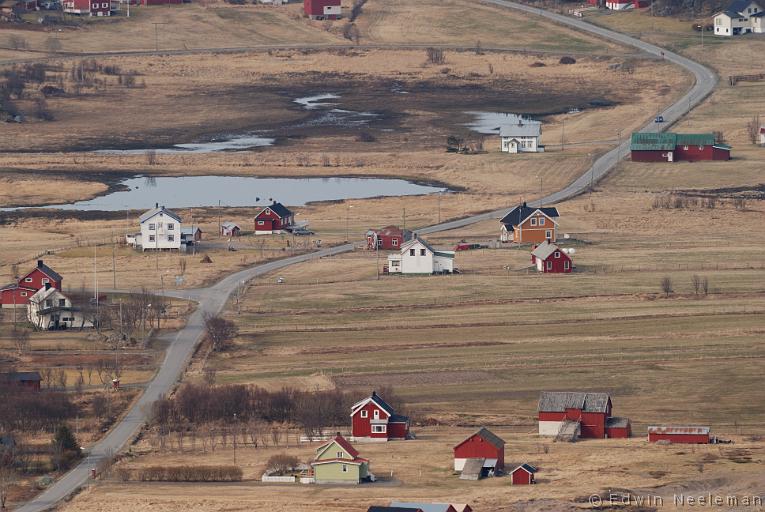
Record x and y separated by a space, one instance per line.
673 429
279 209
488 436
398 418
45 269
559 401
382 403
617 422
425 507
158 209
515 466
738 6
20 376
379 508
522 212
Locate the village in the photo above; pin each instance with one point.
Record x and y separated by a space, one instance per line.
464 334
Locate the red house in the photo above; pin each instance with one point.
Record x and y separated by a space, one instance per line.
522 474
481 445
551 259
89 7
676 147
18 294
372 419
30 380
322 9
274 219
389 238
585 415
679 435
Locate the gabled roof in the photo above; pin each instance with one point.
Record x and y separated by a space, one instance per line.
377 399
737 7
278 208
521 128
158 209
617 422
405 246
559 401
230 225
528 468
377 508
678 430
43 293
487 436
669 141
342 442
45 269
545 249
520 213
425 507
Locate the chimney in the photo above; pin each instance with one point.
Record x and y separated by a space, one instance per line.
337 434
156 205
47 286
524 204
39 263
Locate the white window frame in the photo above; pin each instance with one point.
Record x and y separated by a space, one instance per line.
423 252
548 234
23 294
152 227
541 221
340 455
394 242
152 238
170 225
412 252
566 265
261 223
533 221
557 254
267 211
549 264
376 414
364 413
379 429
28 280
345 468
171 238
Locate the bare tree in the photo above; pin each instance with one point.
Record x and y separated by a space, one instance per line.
17 42
219 331
435 56
151 157
181 266
20 339
210 375
8 479
753 129
696 283
666 286
705 286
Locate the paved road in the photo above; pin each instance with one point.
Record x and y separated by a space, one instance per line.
212 299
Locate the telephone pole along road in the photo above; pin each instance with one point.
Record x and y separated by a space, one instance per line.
213 298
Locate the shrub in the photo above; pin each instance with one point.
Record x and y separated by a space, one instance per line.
537 64
365 137
435 55
567 60
282 462
189 474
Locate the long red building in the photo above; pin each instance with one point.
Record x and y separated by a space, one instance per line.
588 413
679 435
677 147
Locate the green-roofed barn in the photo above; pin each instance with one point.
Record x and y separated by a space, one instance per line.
677 147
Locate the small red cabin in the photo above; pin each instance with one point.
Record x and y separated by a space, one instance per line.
389 238
30 380
522 474
679 435
373 419
551 259
274 219
323 9
483 444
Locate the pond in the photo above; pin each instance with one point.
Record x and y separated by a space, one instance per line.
226 143
489 123
196 191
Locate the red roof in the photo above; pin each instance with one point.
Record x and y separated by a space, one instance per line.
344 444
678 430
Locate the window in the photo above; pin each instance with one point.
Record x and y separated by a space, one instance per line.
557 254
171 226
23 294
379 242
45 281
268 211
61 303
171 238
379 429
685 148
28 280
533 221
260 223
104 5
377 414
345 468
151 238
541 221
48 303
394 242
566 265
422 252
548 234
364 414
411 252
549 265
340 455
95 6
152 227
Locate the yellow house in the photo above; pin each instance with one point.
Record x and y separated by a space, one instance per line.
337 462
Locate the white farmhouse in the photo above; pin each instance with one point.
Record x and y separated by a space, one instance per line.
740 17
521 136
160 230
417 257
49 308
762 135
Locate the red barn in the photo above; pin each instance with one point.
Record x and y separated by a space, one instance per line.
679 435
551 259
389 238
89 7
481 445
618 428
322 9
30 380
677 147
276 218
522 474
373 419
18 294
591 412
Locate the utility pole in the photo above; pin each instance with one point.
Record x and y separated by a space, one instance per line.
439 207
219 234
95 280
619 144
114 264
563 136
156 33
377 254
404 221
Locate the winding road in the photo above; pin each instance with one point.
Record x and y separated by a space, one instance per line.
212 299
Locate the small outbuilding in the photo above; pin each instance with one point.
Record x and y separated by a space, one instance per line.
29 380
323 9
230 229
425 507
679 434
521 474
483 444
551 259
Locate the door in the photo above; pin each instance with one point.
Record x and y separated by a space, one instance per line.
670 156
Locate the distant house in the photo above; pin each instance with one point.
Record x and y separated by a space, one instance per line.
679 435
551 259
274 219
50 309
425 507
88 7
230 229
160 230
29 380
524 224
389 238
323 9
18 294
521 136
337 462
161 2
191 235
620 5
740 17
418 257
382 508
373 419
484 446
521 474
579 414
762 135
677 147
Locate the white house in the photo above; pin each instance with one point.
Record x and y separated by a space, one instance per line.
521 136
762 135
49 308
160 230
740 17
417 257
619 5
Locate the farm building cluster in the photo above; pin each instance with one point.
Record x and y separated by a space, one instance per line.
677 147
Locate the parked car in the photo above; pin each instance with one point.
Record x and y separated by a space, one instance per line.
659 119
302 232
464 246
